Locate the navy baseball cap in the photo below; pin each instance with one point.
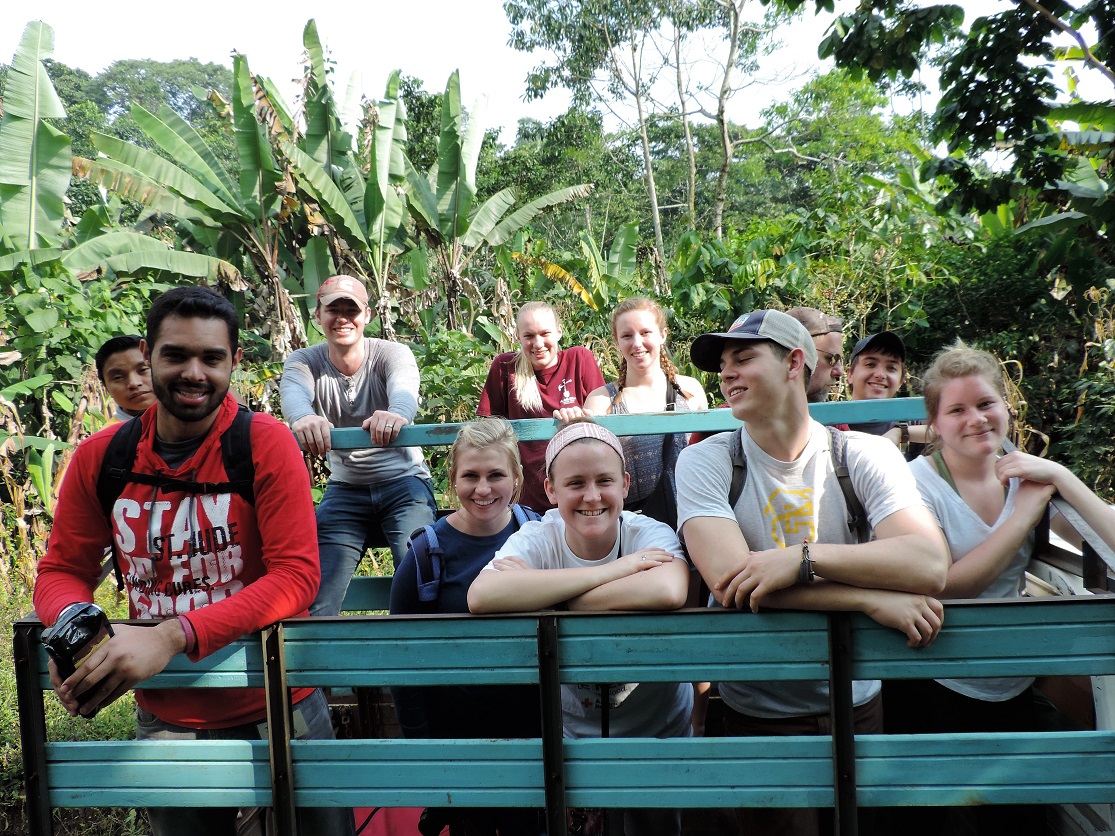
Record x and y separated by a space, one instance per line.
775 326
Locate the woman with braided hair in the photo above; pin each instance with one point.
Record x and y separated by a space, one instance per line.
647 382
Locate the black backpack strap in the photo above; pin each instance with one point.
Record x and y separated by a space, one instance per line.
857 516
120 455
236 452
739 467
115 467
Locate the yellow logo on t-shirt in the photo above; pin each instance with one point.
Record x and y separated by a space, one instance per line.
791 516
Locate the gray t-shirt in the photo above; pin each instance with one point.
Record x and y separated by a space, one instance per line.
782 504
388 380
648 709
964 530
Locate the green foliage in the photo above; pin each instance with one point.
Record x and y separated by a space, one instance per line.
571 148
116 722
454 367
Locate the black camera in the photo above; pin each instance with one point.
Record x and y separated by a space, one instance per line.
80 629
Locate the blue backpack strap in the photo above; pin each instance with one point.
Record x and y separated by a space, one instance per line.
427 562
523 514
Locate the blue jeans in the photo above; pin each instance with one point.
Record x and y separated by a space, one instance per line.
311 718
353 518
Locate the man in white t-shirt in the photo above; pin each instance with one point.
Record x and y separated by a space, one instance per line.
786 542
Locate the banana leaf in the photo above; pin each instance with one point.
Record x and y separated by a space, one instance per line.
521 217
422 203
125 181
313 179
170 176
622 256
259 173
317 266
188 149
487 216
34 156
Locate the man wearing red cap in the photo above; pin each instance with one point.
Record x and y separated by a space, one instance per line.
375 496
782 539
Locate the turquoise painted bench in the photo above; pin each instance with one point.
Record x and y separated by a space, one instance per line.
1054 637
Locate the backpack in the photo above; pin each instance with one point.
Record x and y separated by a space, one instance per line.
857 517
428 554
116 470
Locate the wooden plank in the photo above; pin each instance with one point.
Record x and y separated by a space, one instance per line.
406 773
711 420
700 772
1019 637
693 645
961 769
159 773
412 650
239 665
368 594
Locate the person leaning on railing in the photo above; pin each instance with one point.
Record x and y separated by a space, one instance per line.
786 542
198 557
590 555
987 505
377 495
485 479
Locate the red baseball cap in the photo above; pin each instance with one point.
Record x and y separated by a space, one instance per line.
342 287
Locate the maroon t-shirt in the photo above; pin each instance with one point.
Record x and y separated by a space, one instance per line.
566 383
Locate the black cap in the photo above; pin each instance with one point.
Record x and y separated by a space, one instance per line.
886 341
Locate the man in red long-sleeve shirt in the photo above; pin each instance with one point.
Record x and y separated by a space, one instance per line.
209 567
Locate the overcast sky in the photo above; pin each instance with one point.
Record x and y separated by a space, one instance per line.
424 38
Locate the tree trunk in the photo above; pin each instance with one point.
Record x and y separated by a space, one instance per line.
691 185
648 161
727 146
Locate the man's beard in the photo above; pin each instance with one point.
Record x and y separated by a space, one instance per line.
183 412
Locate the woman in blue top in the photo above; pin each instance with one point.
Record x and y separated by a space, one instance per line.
485 478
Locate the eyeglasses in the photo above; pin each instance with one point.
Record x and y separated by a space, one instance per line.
833 360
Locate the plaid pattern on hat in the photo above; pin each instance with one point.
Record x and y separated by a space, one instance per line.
342 287
575 432
758 325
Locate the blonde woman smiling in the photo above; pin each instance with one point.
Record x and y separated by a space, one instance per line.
540 380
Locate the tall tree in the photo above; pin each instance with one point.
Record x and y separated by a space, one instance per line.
602 50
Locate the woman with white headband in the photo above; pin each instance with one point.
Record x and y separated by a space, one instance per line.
590 554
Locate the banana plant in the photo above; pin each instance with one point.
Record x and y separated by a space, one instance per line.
35 172
441 202
604 278
253 216
356 189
